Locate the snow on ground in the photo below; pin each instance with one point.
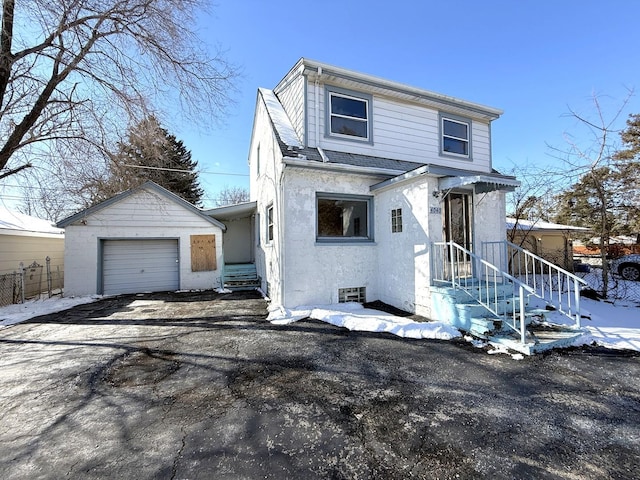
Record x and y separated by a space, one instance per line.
354 316
612 325
21 312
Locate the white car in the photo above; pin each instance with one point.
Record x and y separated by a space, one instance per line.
628 267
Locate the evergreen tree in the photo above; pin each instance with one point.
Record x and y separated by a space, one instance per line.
627 161
152 153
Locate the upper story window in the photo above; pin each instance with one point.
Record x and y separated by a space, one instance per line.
344 218
455 136
348 114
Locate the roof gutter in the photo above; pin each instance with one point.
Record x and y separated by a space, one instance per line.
341 167
314 68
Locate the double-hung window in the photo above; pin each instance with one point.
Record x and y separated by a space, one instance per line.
269 224
344 218
396 220
348 114
455 136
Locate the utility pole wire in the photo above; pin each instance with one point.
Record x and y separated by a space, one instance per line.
185 171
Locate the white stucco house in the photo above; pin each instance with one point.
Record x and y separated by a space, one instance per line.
143 240
355 178
361 189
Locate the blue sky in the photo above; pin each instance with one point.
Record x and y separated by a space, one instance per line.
532 59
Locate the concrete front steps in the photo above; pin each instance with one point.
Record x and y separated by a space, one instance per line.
538 338
460 307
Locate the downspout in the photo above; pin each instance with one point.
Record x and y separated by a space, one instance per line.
317 107
281 239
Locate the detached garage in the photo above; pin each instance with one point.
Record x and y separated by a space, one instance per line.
144 240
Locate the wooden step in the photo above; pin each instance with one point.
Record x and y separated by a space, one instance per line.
240 276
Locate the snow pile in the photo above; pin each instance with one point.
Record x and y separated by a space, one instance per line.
354 316
21 312
611 325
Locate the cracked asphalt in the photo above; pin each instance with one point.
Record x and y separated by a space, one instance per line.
200 386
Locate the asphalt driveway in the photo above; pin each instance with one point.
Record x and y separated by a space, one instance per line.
200 386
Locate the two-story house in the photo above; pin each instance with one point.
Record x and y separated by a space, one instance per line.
355 179
361 189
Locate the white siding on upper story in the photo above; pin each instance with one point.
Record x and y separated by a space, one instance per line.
292 99
401 131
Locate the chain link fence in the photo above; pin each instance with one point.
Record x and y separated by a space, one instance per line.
31 281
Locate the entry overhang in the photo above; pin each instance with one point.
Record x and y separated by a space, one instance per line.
449 178
481 183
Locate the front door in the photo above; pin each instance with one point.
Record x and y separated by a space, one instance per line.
458 228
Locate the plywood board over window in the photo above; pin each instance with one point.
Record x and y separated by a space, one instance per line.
203 253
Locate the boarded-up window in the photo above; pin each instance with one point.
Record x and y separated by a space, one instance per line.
203 253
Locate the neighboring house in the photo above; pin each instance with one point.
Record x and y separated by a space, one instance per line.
25 241
356 178
143 240
552 241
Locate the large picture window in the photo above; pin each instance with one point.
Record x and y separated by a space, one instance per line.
455 136
348 114
344 218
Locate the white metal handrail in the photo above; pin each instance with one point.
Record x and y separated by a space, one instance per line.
556 286
462 269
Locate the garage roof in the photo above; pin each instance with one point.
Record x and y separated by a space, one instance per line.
148 185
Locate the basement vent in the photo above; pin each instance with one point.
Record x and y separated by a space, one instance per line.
356 294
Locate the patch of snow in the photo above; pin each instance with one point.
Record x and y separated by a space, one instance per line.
222 290
612 325
280 120
354 316
498 348
475 341
12 314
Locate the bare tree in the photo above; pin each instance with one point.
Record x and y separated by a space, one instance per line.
232 196
74 73
592 174
531 201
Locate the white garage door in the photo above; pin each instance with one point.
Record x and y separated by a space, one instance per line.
136 266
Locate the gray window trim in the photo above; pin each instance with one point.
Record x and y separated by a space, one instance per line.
455 118
369 239
258 160
328 90
396 220
269 233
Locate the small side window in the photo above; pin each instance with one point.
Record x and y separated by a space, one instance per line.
258 161
269 224
396 220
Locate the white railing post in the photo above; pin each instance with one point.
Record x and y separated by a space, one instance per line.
545 272
576 293
522 314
